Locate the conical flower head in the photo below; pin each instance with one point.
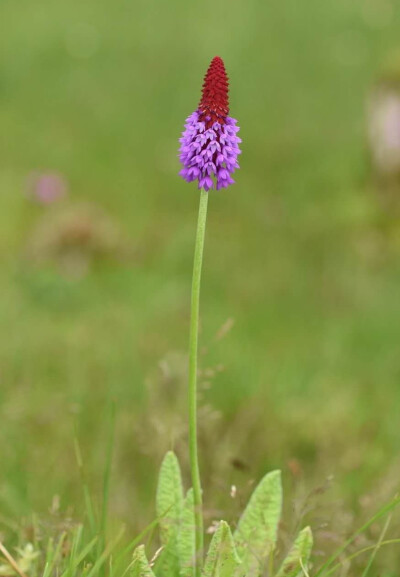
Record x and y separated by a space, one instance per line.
209 143
214 103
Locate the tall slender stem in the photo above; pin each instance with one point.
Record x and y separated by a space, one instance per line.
193 350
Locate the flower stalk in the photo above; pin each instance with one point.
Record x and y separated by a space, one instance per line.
209 149
193 353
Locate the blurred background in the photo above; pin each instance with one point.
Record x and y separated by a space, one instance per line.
300 337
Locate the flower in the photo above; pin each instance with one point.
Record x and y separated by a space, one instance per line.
209 144
46 188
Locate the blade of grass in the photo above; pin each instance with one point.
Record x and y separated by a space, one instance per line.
53 554
85 552
49 551
76 560
76 541
150 527
128 568
35 566
85 486
360 552
139 539
106 553
377 546
386 509
132 545
106 480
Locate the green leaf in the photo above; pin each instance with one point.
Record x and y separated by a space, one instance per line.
169 501
222 559
169 504
187 537
140 565
301 550
257 530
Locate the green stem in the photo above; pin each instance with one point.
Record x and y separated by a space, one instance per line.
193 350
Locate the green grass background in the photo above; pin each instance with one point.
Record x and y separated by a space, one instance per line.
299 252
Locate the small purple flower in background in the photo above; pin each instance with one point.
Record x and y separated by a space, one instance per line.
209 143
46 188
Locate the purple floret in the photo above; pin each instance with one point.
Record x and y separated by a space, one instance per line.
209 155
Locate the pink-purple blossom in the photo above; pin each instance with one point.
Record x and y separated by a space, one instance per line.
209 153
46 188
209 144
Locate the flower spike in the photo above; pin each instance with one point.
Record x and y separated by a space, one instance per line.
214 102
209 144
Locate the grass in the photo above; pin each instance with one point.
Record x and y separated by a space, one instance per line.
303 256
63 546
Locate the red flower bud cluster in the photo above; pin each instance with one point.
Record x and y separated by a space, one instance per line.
214 104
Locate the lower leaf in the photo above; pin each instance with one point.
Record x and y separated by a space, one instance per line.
298 555
222 559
